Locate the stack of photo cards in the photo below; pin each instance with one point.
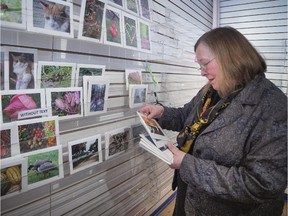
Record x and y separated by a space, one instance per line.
156 141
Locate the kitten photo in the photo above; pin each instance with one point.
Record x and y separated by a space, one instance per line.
56 18
23 67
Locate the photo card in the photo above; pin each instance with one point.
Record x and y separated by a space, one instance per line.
91 23
9 140
131 31
13 176
56 74
117 141
116 3
14 102
84 153
88 70
113 26
13 14
36 134
133 77
66 103
137 95
20 68
145 36
4 80
96 95
132 6
58 22
145 9
44 166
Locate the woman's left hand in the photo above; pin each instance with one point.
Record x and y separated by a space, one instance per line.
177 156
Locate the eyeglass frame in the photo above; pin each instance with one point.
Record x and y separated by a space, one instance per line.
203 67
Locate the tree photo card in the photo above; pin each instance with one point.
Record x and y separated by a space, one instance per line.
137 95
88 70
44 166
84 153
9 140
66 103
13 176
92 20
113 26
56 74
117 141
131 31
56 21
36 134
13 14
20 68
13 102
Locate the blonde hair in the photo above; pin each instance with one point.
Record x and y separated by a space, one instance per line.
238 60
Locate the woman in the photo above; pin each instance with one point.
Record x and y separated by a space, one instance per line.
232 144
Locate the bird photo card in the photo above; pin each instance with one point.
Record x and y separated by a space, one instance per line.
58 22
117 141
9 140
88 70
91 20
13 14
36 134
44 166
13 176
84 153
66 103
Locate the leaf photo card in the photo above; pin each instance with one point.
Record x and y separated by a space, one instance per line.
53 17
20 68
13 177
84 153
56 74
97 95
36 134
91 20
13 14
132 6
113 26
133 77
44 166
131 33
66 103
117 141
137 95
88 70
145 36
13 102
145 9
9 140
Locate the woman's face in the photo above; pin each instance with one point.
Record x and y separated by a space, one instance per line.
208 65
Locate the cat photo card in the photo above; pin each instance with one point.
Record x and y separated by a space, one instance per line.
145 36
97 95
66 103
116 3
113 27
13 14
88 70
145 9
13 177
91 22
84 153
56 74
9 141
14 102
137 95
131 6
131 31
53 17
133 77
117 141
44 166
37 134
20 68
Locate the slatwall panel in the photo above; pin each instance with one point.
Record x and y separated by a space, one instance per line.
133 183
265 24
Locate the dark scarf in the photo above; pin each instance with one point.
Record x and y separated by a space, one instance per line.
210 107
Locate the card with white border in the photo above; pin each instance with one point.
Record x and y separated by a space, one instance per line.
145 9
116 3
131 31
84 153
9 140
88 70
132 7
66 103
40 19
133 77
137 95
4 79
145 36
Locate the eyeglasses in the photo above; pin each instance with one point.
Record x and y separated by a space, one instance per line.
203 67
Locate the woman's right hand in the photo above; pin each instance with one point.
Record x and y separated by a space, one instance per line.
152 111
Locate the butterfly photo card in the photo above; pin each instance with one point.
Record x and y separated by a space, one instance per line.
59 21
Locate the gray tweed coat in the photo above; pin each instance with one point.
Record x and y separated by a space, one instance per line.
239 162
